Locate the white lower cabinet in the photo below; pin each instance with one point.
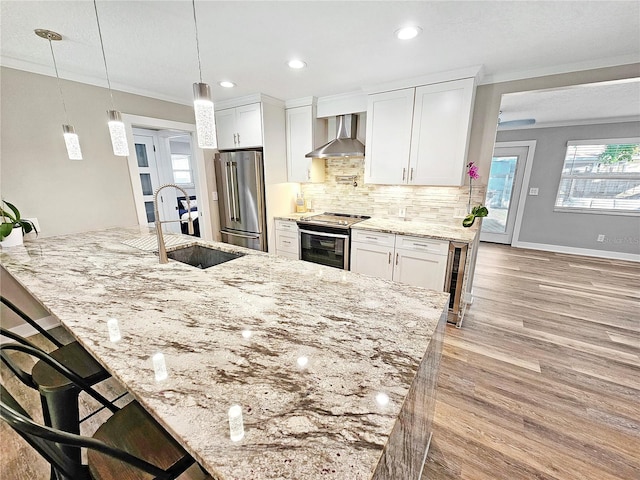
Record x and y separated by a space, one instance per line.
417 261
287 240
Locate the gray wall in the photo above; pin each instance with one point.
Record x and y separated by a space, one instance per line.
68 196
540 224
488 98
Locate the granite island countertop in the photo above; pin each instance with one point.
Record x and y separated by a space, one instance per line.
235 334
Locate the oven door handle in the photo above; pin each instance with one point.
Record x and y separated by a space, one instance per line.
322 234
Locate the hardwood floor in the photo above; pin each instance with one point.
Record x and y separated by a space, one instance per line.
541 382
543 379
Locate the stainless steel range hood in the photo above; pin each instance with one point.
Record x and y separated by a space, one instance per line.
346 144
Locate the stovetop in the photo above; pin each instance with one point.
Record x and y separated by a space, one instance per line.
343 220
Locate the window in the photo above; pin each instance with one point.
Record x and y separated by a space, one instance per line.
601 176
181 165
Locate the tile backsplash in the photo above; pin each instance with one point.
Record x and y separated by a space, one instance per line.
384 201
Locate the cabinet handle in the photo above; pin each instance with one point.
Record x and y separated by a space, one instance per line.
396 258
389 258
308 174
238 139
235 142
404 174
372 238
411 174
284 241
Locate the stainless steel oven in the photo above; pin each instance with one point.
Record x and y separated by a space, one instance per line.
325 238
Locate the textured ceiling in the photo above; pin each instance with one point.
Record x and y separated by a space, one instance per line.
150 45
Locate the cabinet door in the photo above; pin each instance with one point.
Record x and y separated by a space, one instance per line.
226 129
389 117
299 142
440 137
371 259
249 125
421 269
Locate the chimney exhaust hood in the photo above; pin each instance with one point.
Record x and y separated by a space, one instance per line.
346 144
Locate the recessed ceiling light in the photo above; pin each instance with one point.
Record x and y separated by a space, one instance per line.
226 84
296 64
407 33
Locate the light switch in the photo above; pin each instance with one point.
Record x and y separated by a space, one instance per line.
214 196
533 191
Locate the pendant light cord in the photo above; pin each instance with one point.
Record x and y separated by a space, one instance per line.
55 66
104 57
193 2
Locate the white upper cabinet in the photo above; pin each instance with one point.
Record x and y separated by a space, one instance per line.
389 117
304 134
440 135
420 136
239 127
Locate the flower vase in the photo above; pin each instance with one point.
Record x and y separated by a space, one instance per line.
14 239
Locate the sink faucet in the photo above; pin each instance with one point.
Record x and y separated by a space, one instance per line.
162 249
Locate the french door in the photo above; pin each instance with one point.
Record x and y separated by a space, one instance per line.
503 193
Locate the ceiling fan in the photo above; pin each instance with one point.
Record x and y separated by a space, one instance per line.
514 123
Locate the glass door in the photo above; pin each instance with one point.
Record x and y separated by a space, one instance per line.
503 193
325 248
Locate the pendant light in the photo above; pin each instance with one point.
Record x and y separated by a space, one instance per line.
70 137
202 104
116 126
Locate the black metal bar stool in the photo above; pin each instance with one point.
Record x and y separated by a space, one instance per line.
130 445
59 395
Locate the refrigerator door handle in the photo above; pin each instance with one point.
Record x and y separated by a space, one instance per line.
227 172
234 186
239 235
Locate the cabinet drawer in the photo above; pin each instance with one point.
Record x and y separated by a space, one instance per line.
287 226
287 242
292 256
420 244
373 238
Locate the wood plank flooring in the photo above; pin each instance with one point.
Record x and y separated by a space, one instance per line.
543 379
541 382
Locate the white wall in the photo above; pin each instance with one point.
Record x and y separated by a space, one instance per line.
68 196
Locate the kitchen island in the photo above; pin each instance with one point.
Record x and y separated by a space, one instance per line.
335 372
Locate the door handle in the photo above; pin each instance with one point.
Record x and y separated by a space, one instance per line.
227 171
239 235
236 207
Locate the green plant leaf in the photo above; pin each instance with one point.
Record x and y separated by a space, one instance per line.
27 226
5 230
468 220
15 211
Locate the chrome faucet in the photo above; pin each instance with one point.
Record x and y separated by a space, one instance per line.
162 249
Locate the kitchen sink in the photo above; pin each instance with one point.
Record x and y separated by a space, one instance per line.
202 257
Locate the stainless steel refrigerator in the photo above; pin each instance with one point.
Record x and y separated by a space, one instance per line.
240 180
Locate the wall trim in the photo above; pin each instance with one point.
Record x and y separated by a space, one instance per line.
26 330
587 252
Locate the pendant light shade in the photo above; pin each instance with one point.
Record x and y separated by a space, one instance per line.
72 142
202 103
116 126
205 120
118 134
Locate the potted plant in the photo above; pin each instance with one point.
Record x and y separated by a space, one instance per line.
13 227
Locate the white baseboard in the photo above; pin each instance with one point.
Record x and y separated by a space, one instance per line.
587 252
26 330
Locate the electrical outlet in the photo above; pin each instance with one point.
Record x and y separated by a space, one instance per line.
402 212
214 196
533 191
601 238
